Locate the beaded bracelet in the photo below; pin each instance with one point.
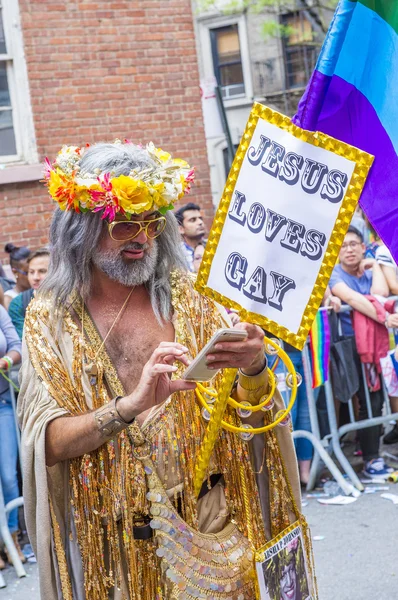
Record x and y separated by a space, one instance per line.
9 362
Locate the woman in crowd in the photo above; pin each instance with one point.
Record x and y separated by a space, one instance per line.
197 256
19 266
37 271
10 352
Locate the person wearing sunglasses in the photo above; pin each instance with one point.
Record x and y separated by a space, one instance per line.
110 429
19 266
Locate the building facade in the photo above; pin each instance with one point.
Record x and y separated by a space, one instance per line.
82 71
266 57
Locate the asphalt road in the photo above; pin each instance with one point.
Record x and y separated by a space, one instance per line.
358 557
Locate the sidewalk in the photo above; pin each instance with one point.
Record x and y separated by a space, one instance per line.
26 588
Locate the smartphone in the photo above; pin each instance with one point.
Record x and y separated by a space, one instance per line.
198 369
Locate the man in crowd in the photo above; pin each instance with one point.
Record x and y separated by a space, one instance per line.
385 260
352 279
110 438
192 230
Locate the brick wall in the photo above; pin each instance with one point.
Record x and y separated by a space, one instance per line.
105 70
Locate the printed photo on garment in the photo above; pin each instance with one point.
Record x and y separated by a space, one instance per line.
283 574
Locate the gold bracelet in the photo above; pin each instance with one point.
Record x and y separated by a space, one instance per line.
108 419
249 383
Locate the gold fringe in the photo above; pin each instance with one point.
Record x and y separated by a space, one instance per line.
108 487
66 585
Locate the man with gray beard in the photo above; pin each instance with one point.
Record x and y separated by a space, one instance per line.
110 430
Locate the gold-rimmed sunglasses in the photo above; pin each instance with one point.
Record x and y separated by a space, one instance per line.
121 231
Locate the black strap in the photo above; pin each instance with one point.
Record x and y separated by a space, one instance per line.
27 296
142 532
214 479
145 532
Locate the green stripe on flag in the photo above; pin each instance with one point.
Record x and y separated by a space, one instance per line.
386 9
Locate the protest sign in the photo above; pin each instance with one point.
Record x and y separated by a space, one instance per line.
286 207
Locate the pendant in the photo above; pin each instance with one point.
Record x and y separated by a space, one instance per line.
91 369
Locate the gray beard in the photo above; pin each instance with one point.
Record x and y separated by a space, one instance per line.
131 273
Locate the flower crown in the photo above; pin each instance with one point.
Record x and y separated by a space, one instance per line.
157 186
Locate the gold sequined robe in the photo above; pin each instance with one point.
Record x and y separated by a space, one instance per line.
80 512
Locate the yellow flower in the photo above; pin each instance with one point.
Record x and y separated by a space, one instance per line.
162 155
133 195
157 194
55 181
66 192
181 163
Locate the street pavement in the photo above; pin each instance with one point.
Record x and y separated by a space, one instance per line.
356 560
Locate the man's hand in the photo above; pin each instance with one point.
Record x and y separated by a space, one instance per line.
365 264
235 319
247 355
392 321
334 302
155 385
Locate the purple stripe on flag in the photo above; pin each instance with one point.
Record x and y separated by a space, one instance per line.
344 113
310 105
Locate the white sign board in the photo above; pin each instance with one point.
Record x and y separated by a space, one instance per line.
279 224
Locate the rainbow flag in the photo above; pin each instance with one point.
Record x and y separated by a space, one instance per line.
353 96
320 348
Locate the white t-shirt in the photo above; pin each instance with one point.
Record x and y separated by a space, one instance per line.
384 257
11 293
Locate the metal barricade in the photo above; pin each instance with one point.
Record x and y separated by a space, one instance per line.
332 441
5 509
320 452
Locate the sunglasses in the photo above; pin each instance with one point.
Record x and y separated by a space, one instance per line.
121 231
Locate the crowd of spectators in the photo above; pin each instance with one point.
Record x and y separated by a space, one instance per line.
18 282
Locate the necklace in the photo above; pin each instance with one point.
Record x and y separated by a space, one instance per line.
91 368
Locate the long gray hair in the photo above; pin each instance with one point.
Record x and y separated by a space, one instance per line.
74 238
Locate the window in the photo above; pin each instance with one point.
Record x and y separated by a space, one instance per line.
227 60
300 50
7 133
17 134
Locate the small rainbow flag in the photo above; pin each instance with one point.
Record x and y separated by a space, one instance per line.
352 96
320 347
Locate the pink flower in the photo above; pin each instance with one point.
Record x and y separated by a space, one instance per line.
105 199
47 168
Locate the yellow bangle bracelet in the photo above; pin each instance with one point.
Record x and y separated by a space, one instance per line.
281 415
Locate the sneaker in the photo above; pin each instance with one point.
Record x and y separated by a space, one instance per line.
392 436
377 469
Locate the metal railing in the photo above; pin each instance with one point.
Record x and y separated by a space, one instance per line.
324 448
5 509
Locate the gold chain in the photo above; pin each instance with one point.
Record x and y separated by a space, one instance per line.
119 314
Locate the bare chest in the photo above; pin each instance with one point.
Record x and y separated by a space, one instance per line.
132 342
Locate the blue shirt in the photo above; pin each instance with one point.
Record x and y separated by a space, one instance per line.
362 285
17 310
9 340
188 252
